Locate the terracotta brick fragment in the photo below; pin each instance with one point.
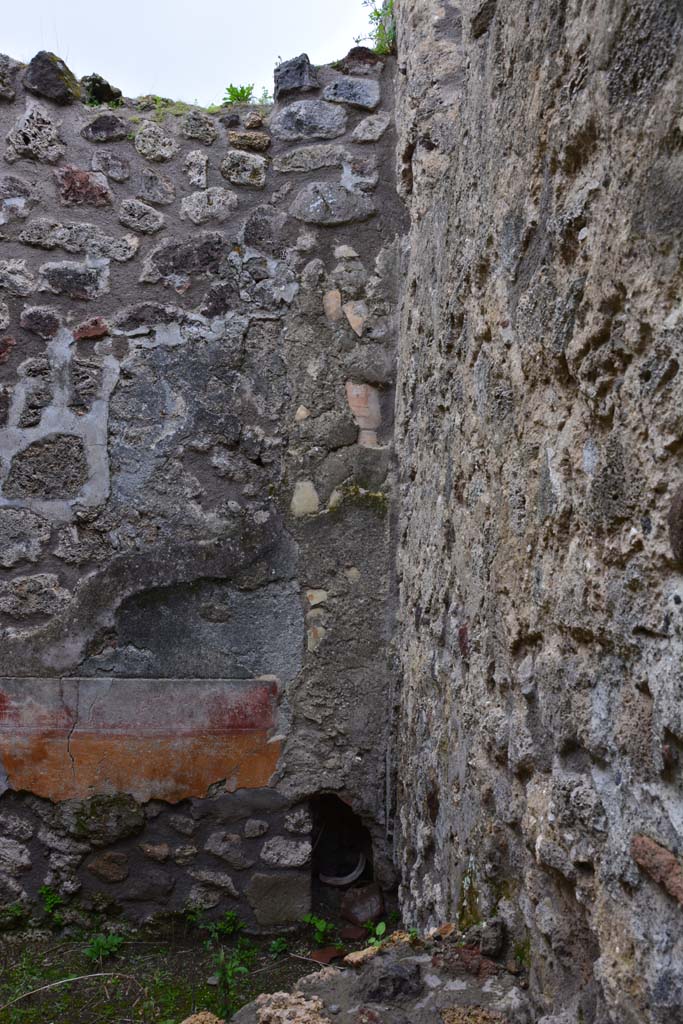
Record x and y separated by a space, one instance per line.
6 346
660 864
91 330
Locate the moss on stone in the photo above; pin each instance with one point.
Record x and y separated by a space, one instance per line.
13 916
502 889
104 818
468 902
377 501
65 75
522 953
160 107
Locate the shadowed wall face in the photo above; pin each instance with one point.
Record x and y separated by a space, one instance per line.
194 556
539 425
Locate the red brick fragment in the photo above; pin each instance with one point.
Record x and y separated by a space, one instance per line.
91 330
464 641
366 1015
327 955
362 903
6 346
660 864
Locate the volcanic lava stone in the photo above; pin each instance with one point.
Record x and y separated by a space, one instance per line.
47 75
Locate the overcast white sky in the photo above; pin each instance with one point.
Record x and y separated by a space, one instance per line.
184 49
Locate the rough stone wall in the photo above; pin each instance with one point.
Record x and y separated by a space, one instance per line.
196 395
539 433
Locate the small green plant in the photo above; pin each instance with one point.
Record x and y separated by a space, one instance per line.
522 953
231 971
227 926
469 913
382 26
194 916
101 947
232 966
413 935
52 901
92 101
238 94
376 932
278 947
12 916
322 930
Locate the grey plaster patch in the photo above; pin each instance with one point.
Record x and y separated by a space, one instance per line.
244 634
58 420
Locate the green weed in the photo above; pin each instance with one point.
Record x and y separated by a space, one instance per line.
238 94
12 916
522 953
323 930
225 927
278 947
382 26
52 901
376 932
101 947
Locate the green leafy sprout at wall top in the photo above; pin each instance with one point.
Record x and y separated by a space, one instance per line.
382 33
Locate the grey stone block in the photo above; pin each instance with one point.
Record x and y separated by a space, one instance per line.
363 93
309 119
295 75
279 899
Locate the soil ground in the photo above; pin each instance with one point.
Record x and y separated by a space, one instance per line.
147 981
